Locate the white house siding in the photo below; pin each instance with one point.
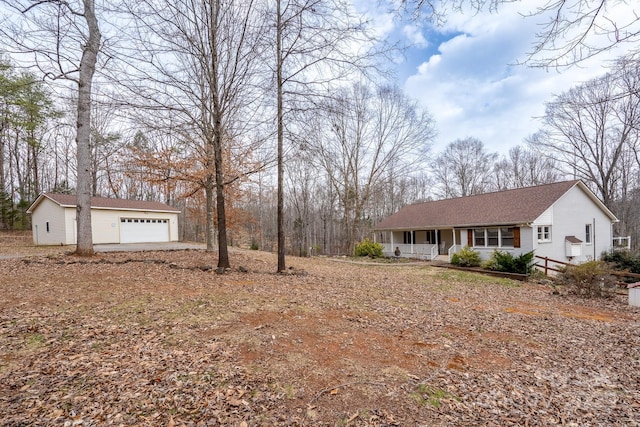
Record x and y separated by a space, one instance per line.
570 215
71 226
105 226
105 223
527 239
53 214
464 241
546 218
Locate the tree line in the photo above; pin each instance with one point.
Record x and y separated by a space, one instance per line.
245 115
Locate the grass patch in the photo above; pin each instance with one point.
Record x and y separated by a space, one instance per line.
34 340
468 277
427 395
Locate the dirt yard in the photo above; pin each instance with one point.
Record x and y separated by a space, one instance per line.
160 339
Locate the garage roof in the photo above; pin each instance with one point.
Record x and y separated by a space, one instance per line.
70 201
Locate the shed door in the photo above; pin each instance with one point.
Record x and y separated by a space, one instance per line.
143 230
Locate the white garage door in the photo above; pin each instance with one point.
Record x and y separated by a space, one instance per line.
142 230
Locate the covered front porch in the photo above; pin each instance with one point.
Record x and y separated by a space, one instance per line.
419 244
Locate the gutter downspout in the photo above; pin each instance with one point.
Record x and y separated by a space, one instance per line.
594 239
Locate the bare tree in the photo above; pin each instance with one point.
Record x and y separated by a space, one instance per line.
105 147
317 43
588 129
464 168
197 71
523 167
51 32
363 134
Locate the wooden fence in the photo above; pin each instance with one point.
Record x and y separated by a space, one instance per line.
546 267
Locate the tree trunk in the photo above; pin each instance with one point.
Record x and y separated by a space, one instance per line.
223 253
210 227
34 167
279 83
2 167
87 69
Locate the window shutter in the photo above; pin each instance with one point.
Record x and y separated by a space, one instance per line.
516 237
469 237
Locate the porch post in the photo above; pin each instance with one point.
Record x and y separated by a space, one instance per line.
437 242
411 240
392 248
454 237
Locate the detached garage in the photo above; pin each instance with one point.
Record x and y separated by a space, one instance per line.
53 219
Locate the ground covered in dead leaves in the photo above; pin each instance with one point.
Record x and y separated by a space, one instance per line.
160 339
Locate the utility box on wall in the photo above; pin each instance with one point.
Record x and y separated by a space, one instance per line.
634 294
572 246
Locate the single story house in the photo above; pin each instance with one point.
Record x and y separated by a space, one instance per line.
564 221
53 220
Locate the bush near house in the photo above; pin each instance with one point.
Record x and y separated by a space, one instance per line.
467 257
504 261
368 248
589 279
623 260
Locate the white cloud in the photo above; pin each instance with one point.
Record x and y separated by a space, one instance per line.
472 90
381 21
414 34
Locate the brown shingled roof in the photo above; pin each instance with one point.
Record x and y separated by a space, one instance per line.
70 200
517 206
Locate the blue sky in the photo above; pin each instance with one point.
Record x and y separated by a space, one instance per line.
464 73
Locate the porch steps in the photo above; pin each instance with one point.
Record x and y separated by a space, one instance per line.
441 258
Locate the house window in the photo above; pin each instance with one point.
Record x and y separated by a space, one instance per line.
588 233
544 233
47 224
479 237
492 236
506 237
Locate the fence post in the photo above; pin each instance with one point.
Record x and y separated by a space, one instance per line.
546 266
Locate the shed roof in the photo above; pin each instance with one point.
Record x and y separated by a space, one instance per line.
517 206
70 201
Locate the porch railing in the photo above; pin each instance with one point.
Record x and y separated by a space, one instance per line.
622 242
421 251
434 252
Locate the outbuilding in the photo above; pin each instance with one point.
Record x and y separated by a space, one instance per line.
53 219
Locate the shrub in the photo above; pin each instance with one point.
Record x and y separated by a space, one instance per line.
623 260
467 257
523 263
589 279
504 261
368 248
490 264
